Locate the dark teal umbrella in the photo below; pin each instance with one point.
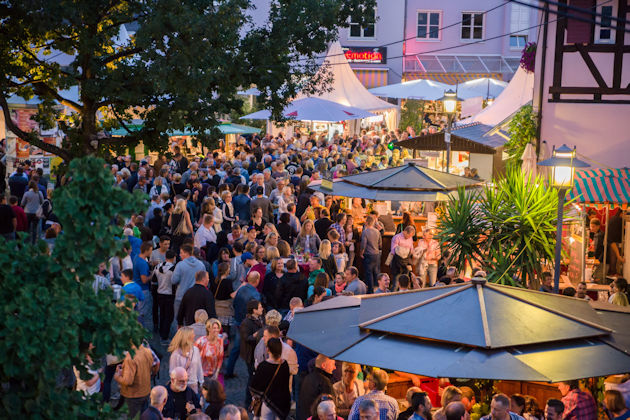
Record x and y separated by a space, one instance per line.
470 330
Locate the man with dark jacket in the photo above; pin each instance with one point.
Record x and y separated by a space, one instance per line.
197 297
241 202
323 224
251 333
292 284
316 383
182 400
18 182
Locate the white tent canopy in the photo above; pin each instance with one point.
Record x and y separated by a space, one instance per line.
346 89
428 90
517 93
315 109
483 87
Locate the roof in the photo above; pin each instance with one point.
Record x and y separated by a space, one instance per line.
345 88
472 138
602 186
229 128
408 182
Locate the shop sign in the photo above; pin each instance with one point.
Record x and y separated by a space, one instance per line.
369 55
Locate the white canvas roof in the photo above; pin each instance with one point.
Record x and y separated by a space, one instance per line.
346 88
517 93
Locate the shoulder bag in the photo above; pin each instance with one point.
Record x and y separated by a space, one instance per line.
256 403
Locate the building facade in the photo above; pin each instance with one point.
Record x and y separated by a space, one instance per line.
456 41
375 51
582 80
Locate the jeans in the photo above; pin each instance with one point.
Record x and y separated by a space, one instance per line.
371 265
176 306
431 270
146 309
235 352
136 405
32 221
165 307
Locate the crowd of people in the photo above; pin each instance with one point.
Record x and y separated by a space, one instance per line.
229 248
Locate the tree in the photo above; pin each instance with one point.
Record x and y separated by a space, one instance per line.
509 228
411 115
181 68
51 316
522 130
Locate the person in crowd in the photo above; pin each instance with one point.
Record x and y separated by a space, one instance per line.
307 241
199 327
270 383
615 404
185 354
500 409
231 412
185 273
134 378
158 396
456 411
180 224
421 407
348 388
430 249
314 384
450 394
214 398
406 414
354 284
165 299
370 252
197 297
578 405
619 292
8 219
400 252
251 332
554 409
376 384
211 348
383 283
31 202
182 400
546 282
329 265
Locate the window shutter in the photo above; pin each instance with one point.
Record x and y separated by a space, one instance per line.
579 32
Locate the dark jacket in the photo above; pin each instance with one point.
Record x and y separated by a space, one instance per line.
248 342
176 402
18 185
314 384
241 207
286 232
291 285
197 297
330 266
278 397
151 413
321 227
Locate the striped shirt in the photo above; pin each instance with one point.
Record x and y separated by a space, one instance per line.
387 406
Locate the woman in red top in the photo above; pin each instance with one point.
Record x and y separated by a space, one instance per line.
211 348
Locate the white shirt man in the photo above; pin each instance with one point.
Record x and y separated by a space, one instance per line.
205 233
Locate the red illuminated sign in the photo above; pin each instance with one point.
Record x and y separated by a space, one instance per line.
376 55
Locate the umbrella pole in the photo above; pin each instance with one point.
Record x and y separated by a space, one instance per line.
583 242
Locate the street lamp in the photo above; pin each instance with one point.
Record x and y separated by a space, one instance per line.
449 103
563 162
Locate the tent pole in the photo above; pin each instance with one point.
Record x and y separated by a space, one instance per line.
604 270
583 268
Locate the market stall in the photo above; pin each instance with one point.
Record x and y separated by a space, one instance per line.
599 190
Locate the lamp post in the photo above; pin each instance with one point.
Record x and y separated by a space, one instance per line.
449 102
563 163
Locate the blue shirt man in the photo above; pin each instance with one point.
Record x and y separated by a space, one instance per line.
244 294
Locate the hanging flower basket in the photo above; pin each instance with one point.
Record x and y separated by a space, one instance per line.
528 57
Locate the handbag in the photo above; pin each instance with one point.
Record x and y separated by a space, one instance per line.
256 404
402 252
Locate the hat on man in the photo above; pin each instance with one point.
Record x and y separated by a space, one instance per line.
246 256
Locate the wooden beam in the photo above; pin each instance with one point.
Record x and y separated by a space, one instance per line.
561 25
596 48
592 67
619 41
591 101
580 90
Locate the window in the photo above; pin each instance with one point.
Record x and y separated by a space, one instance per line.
580 31
517 42
472 25
358 31
604 33
428 25
519 24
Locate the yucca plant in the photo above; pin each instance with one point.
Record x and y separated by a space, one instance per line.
460 229
521 214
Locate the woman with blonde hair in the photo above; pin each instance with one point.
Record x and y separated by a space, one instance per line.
181 226
284 248
211 349
185 354
271 253
307 240
271 240
328 260
217 215
348 388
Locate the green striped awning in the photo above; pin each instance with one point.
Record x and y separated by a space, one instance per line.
226 128
602 189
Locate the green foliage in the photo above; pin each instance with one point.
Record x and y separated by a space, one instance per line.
512 225
411 115
50 313
180 70
460 229
522 130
